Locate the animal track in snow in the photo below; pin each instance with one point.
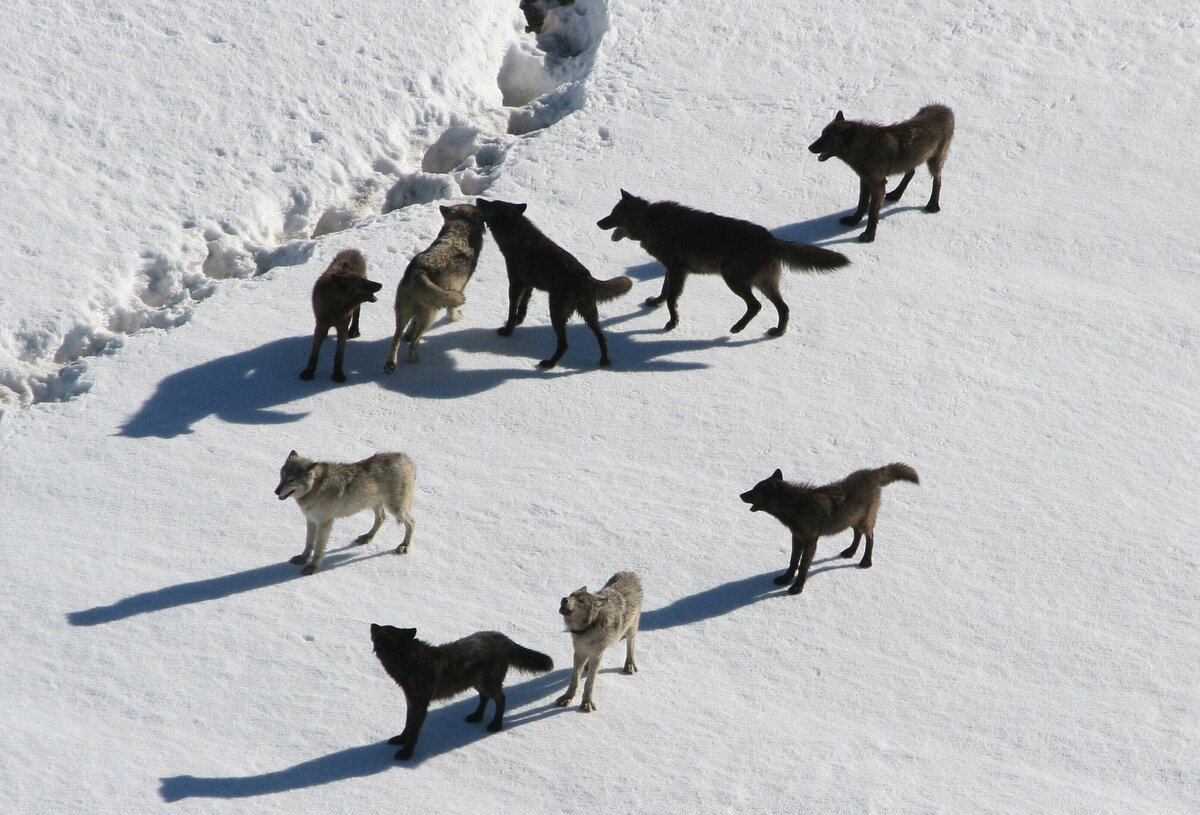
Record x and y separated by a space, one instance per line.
462 148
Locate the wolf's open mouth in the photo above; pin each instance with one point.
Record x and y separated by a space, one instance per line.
618 233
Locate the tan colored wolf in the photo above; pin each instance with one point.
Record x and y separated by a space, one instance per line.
876 151
337 295
436 278
597 621
325 491
813 512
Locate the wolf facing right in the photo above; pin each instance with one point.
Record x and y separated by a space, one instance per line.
337 298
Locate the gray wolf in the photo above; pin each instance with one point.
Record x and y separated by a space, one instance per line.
536 262
337 295
686 240
427 673
535 12
876 151
812 512
435 278
326 491
597 621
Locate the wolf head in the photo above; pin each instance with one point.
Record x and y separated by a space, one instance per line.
386 638
295 477
762 496
580 609
494 212
353 289
833 139
625 216
466 213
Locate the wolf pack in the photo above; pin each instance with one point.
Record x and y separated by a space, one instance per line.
684 240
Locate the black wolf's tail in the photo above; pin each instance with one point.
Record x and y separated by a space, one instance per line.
897 472
529 661
809 258
611 289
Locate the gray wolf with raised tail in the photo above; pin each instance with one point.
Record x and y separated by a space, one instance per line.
436 278
744 254
427 673
533 262
876 151
337 297
597 621
326 490
813 512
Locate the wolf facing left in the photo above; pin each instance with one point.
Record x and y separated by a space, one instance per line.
337 297
427 673
326 490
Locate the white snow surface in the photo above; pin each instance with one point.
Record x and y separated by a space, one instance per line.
177 175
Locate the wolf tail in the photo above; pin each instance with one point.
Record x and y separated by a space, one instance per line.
809 258
436 296
611 289
897 472
529 661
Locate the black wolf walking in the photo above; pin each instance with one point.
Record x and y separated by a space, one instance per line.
686 240
876 151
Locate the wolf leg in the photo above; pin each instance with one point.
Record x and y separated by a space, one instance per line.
742 289
675 279
852 548
394 351
630 666
810 549
655 302
866 561
515 292
477 715
895 194
319 552
560 311
587 705
934 205
310 541
340 353
497 723
864 197
877 187
362 540
353 332
421 324
319 335
576 673
786 577
412 729
770 288
592 318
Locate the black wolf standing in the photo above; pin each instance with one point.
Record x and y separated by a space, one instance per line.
745 254
427 673
876 151
813 512
536 262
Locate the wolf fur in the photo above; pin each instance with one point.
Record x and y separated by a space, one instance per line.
686 240
436 278
427 673
325 491
337 295
535 261
813 512
536 11
876 151
597 621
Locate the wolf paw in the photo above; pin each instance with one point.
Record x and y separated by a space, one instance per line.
866 564
504 331
352 335
588 706
402 549
474 717
405 754
547 364
397 740
850 220
338 376
306 374
653 302
866 237
848 552
783 579
309 569
298 559
796 588
931 208
670 326
362 540
604 361
495 727
563 701
630 668
776 331
389 367
893 196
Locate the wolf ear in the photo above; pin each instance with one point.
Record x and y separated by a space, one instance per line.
581 591
293 455
521 208
445 210
839 117
777 475
374 627
625 195
408 633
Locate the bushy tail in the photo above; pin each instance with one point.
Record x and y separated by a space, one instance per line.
611 289
436 296
897 472
809 258
529 661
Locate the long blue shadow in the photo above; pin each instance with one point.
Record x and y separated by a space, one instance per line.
710 603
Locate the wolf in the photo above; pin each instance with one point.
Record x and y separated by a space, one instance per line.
812 512
536 10
876 151
326 491
435 278
745 254
339 292
535 261
427 673
597 621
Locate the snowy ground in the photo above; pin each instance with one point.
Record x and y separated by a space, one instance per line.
178 177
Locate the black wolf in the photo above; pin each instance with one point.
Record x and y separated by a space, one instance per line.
337 295
535 261
876 151
813 512
745 254
427 673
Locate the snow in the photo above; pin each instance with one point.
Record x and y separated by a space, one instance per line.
176 179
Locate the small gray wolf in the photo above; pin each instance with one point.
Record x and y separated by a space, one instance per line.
597 621
812 512
876 151
336 298
535 12
436 278
686 240
325 491
535 261
427 673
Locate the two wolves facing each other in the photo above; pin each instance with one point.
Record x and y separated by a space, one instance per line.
326 490
427 673
876 151
812 512
744 254
597 621
336 298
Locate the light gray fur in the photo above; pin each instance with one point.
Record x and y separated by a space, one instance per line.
597 621
327 490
